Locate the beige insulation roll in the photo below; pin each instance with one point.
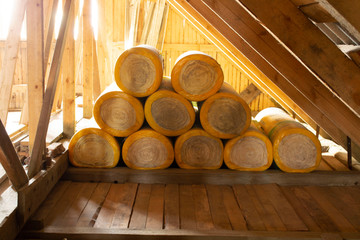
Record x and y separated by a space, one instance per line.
295 148
118 113
93 148
196 76
147 149
168 112
139 70
225 114
196 149
252 151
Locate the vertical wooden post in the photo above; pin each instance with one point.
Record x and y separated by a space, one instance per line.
10 161
96 76
10 56
35 64
69 78
87 78
36 155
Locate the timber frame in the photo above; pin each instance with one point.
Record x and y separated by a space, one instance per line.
319 85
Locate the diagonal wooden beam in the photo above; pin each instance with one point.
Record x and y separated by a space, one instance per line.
10 161
310 45
243 45
346 12
10 56
36 155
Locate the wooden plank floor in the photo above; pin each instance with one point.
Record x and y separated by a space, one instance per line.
84 210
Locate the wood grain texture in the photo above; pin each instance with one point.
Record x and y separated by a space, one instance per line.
35 65
10 161
36 155
172 207
140 209
217 207
187 206
155 214
10 56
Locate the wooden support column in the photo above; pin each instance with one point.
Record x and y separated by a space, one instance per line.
10 161
69 78
87 76
10 56
235 37
308 43
36 156
35 65
50 34
96 75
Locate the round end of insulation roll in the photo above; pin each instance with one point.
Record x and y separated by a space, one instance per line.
169 113
196 76
251 151
225 115
147 149
196 149
93 148
118 113
139 71
296 150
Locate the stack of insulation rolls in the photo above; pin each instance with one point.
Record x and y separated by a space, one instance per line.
148 121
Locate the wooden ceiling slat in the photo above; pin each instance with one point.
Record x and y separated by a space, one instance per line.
306 41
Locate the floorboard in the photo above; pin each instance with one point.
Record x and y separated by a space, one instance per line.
88 210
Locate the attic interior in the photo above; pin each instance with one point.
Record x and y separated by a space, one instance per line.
58 57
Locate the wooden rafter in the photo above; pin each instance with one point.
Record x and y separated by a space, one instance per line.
250 93
277 78
297 32
10 56
36 155
10 161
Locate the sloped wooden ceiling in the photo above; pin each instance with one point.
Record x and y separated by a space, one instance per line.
288 57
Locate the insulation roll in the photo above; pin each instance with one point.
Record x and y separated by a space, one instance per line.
252 151
295 148
196 149
118 113
147 149
196 76
168 112
139 71
93 148
225 114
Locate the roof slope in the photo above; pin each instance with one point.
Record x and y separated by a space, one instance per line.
287 56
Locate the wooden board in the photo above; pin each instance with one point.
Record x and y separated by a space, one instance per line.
220 176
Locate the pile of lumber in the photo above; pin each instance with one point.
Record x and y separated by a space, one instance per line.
147 121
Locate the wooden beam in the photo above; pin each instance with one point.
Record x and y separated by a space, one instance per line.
308 43
50 35
339 32
277 78
39 144
218 177
31 197
35 65
96 75
69 78
346 12
87 76
10 56
250 93
10 161
317 13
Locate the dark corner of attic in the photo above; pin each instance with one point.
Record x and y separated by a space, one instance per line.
174 119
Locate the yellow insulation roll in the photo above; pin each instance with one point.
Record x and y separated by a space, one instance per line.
252 151
139 70
118 113
295 148
147 149
196 76
167 112
225 114
93 148
196 149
